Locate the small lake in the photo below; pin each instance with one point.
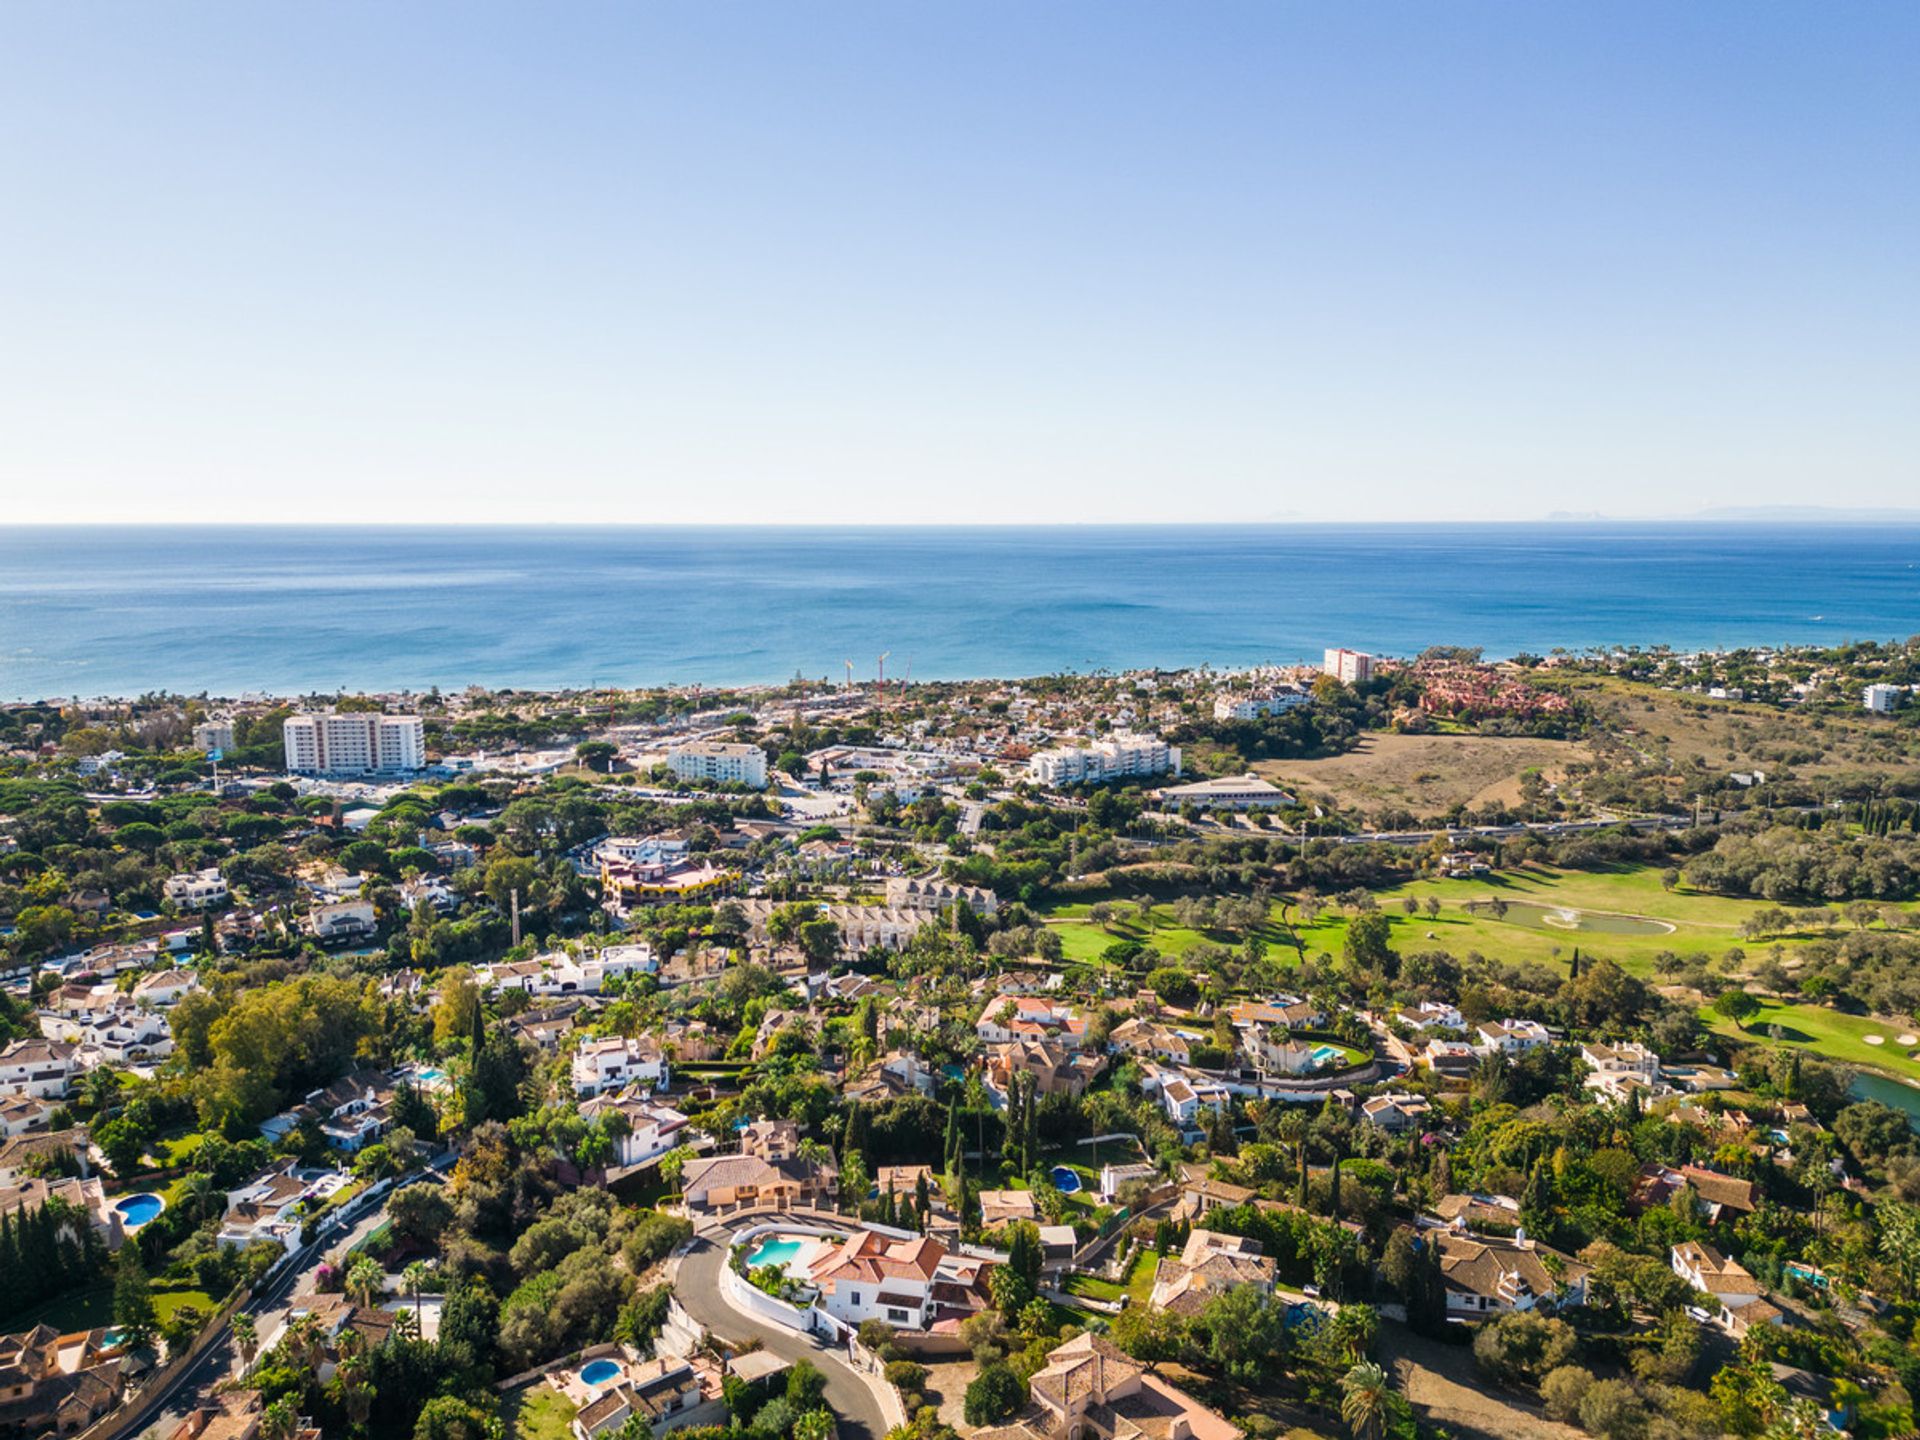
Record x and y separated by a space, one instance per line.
1870 1085
1593 922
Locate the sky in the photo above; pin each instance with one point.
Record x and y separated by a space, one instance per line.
955 262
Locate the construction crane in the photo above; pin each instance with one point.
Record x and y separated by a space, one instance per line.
882 664
849 674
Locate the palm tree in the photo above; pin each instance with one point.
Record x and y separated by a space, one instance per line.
356 1391
413 1280
304 1342
280 1421
365 1280
1366 1401
246 1338
1354 1330
197 1194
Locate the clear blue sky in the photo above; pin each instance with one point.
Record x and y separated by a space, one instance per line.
955 261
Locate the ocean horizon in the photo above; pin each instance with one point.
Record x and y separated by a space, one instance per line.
236 609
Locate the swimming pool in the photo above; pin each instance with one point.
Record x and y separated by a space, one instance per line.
599 1372
1066 1181
138 1210
1328 1055
780 1252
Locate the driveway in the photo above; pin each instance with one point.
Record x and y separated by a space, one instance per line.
697 1284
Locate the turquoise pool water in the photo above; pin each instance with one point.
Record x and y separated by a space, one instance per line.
1328 1055
1064 1180
599 1372
774 1252
137 1210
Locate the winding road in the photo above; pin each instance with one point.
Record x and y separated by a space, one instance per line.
697 1285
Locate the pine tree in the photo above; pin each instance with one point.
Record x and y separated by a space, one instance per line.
133 1308
1010 1147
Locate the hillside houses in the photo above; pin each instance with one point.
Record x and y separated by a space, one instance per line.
651 1129
1209 1264
614 1062
43 1069
1490 1276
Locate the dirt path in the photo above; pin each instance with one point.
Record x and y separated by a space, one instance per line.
1443 1386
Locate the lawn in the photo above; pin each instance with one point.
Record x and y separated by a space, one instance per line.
1083 940
1700 922
169 1297
1826 1033
92 1307
1146 1266
539 1412
1092 1287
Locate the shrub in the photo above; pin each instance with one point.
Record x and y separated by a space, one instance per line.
1564 1389
995 1394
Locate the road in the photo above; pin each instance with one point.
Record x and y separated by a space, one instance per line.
157 1416
697 1284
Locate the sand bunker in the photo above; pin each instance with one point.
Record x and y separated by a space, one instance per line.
1874 1039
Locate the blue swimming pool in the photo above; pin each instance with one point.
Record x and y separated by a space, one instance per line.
1328 1055
137 1210
774 1252
599 1372
1066 1181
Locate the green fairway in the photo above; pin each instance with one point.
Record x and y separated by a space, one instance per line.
1536 928
1826 1033
1081 939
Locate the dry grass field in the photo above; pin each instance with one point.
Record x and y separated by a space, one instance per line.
1725 734
1426 774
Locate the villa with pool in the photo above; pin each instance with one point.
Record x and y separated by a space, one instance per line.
910 1281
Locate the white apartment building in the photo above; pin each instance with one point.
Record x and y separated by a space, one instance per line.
718 761
1350 667
211 735
197 889
357 743
1119 755
1881 698
1254 707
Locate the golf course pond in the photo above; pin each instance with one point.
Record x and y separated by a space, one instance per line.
1591 922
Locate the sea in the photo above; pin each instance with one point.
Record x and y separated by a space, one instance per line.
230 611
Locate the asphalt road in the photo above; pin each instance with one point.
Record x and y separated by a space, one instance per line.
158 1416
697 1284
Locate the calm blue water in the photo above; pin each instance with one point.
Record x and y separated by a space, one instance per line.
137 1210
774 1252
121 611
